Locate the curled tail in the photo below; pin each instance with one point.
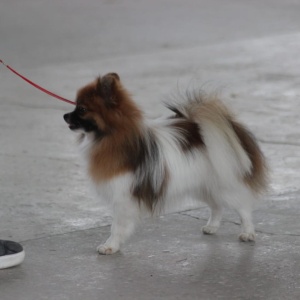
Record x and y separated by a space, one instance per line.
231 148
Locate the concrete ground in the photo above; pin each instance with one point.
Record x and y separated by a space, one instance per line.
248 51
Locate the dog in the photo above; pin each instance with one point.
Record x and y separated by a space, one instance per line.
140 166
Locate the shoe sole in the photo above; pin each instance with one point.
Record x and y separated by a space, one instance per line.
8 261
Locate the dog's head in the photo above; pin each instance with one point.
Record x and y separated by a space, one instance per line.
102 107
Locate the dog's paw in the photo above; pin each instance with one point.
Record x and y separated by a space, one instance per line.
107 249
247 237
209 229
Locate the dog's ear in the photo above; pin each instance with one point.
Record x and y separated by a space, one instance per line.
107 88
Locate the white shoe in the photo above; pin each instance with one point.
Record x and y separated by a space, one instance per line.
11 254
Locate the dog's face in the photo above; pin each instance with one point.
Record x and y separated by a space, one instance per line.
97 106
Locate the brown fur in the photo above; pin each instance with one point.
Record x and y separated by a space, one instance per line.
191 137
118 118
257 179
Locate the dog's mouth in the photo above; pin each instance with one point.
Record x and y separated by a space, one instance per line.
76 123
73 126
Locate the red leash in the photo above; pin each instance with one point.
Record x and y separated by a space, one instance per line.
37 86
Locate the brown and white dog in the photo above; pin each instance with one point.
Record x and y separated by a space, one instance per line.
202 152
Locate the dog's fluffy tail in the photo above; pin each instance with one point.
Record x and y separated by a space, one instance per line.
232 150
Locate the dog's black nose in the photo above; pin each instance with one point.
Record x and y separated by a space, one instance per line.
67 118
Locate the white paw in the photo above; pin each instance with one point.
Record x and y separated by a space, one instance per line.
106 249
247 237
207 229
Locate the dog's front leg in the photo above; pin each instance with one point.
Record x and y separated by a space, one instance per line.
125 217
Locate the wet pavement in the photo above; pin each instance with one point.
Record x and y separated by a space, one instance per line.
246 51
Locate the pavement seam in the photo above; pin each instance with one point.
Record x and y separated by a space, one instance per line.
64 233
237 223
278 143
67 159
179 213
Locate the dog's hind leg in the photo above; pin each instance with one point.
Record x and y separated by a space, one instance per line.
215 217
248 231
243 201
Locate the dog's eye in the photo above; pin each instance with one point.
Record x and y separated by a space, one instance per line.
81 110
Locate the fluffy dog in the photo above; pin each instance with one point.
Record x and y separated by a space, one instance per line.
201 152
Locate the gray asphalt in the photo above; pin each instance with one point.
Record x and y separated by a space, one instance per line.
247 51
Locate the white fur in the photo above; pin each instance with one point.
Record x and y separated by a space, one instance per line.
212 175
